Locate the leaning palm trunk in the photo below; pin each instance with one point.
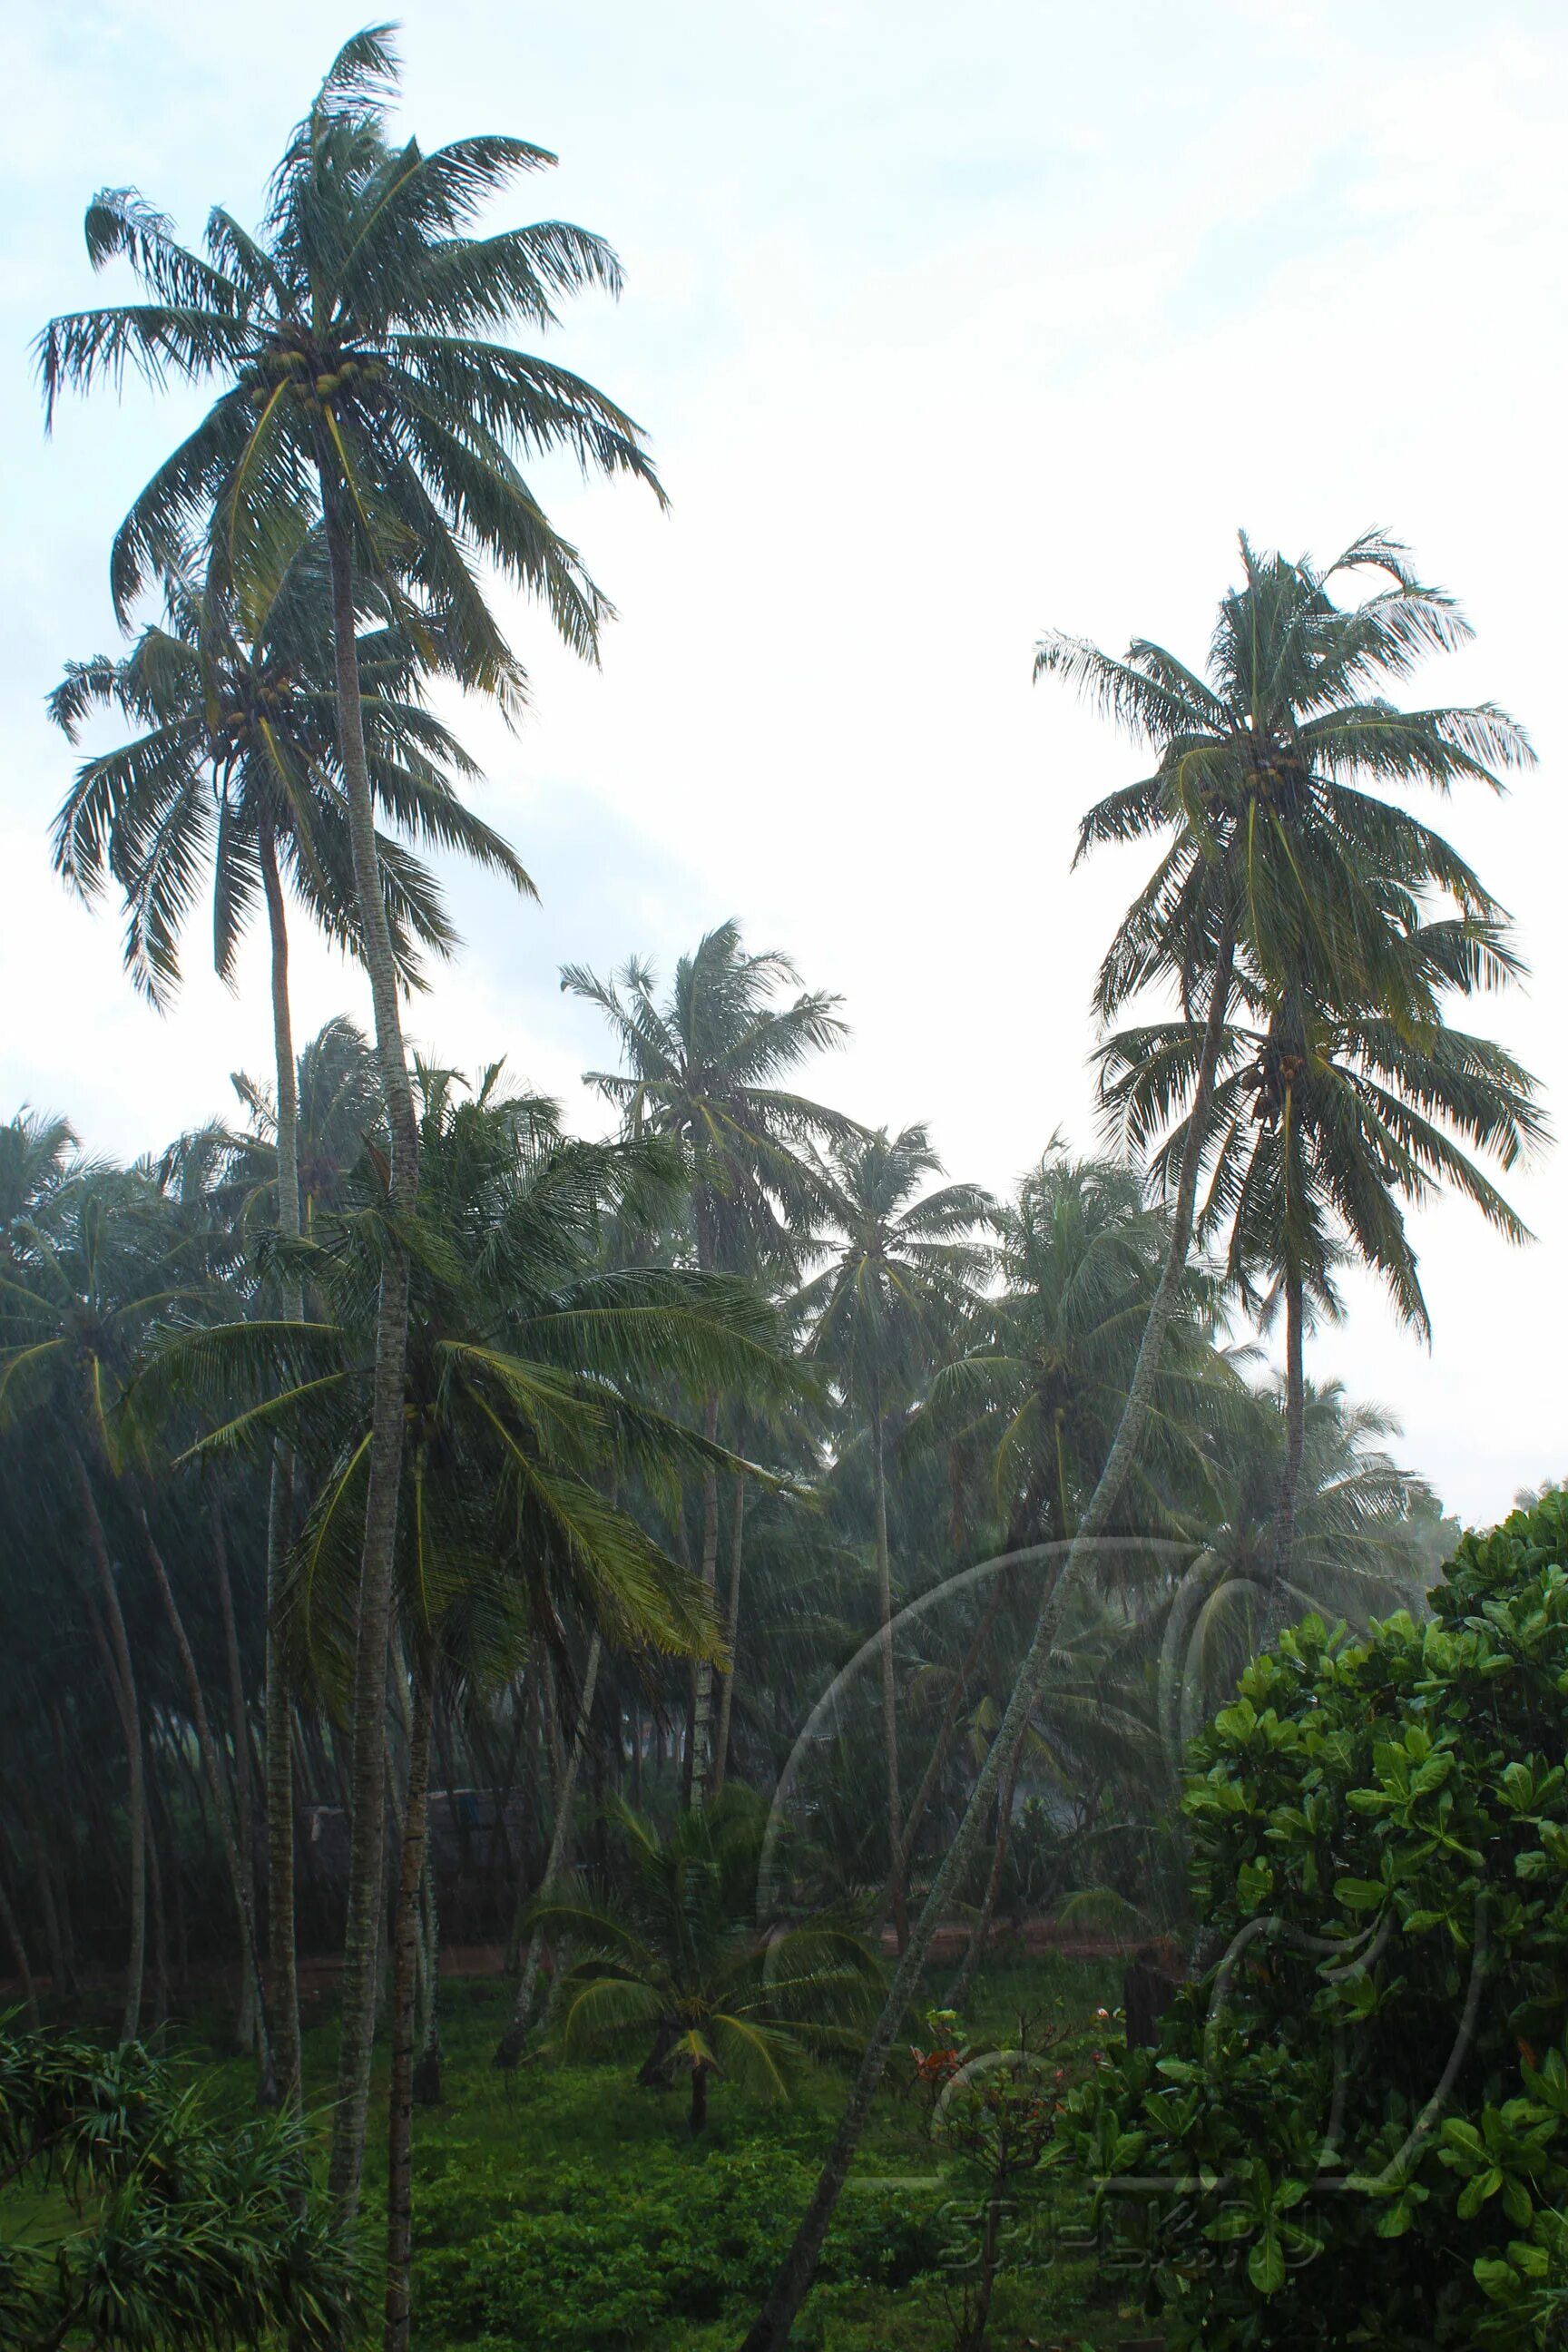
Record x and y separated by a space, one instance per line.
790 2287
889 1680
362 1934
510 2048
976 1950
405 1981
278 1725
266 2083
897 1890
123 1680
731 1627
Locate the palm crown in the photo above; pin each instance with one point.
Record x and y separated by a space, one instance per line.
703 1068
351 336
236 767
1270 776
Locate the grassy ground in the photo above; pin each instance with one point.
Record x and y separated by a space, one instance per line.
563 2206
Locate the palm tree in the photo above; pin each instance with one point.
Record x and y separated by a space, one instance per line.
1359 1549
1324 1123
901 1273
238 765
702 1070
1039 1388
85 1279
678 1957
349 341
1276 854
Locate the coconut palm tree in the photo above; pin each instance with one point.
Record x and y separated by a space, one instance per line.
901 1272
701 1069
1359 1552
237 766
87 1279
349 342
676 1957
1325 1125
1282 851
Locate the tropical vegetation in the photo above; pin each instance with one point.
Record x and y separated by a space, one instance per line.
563 1645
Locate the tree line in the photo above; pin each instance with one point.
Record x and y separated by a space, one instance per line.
387 1438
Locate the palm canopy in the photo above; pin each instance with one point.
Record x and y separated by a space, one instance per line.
1271 773
680 1954
902 1265
1361 1546
237 770
1323 1123
530 1372
350 338
1043 1379
702 1068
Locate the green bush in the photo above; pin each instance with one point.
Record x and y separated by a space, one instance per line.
592 2262
1356 2132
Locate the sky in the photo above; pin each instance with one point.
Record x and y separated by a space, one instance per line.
948 326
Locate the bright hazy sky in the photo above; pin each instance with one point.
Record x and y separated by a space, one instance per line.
948 325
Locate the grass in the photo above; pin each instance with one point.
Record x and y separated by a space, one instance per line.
563 2206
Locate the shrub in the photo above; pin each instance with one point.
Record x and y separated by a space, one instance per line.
594 2263
1355 2131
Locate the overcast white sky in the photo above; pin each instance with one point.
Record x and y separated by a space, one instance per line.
948 325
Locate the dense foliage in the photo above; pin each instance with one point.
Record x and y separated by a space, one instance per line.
419 1520
1355 2128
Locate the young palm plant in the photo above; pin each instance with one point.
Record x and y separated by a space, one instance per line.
676 1955
349 339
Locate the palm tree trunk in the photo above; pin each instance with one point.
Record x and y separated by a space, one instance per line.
510 2048
975 1951
1295 1433
124 1682
277 1727
405 1973
942 1747
699 1757
266 2084
885 1655
240 1739
13 1928
731 1626
792 2282
362 1936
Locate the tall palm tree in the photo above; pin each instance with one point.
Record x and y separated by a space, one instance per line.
1281 848
85 1283
702 1070
522 1394
349 338
237 766
901 1272
1324 1123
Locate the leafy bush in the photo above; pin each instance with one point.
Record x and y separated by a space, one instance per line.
591 2263
177 2229
1355 2131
